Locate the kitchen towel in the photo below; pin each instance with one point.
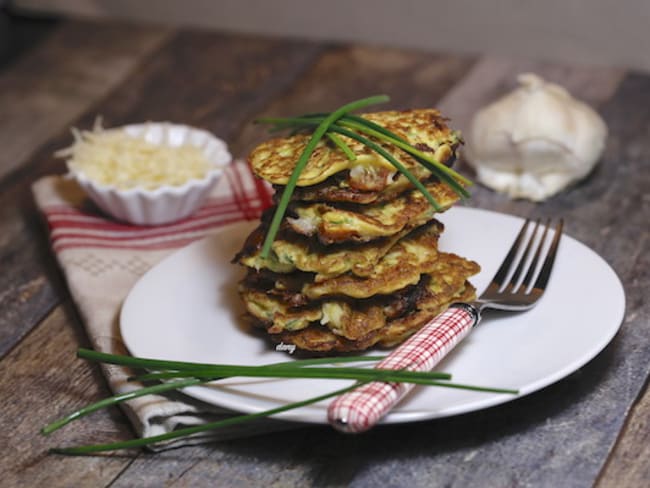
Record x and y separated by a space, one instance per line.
102 259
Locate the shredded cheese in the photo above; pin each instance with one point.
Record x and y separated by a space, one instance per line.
116 158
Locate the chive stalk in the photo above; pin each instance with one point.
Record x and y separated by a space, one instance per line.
114 400
338 142
148 363
227 371
302 162
197 429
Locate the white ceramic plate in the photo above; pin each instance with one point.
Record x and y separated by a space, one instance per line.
186 308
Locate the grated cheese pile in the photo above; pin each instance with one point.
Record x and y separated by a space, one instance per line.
115 158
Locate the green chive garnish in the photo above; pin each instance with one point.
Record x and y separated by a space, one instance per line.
342 146
353 126
188 374
197 429
321 129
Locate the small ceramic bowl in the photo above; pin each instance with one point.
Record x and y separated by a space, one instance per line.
166 203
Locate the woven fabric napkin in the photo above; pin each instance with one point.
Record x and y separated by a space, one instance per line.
102 259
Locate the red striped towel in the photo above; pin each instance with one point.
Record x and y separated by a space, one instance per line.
102 259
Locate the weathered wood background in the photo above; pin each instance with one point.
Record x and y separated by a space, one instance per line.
588 429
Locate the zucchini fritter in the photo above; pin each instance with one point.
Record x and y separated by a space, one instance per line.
356 262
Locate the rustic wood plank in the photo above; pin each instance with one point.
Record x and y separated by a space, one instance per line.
19 34
412 79
624 237
628 465
221 96
77 65
272 460
214 81
40 381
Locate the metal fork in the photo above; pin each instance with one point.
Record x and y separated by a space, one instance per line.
363 407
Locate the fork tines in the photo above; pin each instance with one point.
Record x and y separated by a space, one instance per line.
525 255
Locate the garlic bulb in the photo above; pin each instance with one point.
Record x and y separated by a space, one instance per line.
535 141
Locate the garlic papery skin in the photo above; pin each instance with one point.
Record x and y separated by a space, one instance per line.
535 141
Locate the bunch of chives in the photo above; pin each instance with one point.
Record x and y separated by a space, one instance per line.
186 374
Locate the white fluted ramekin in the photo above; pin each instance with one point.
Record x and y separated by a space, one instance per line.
164 204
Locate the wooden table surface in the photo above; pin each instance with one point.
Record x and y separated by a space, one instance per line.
589 429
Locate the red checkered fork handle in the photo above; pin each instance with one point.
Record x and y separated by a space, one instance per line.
363 407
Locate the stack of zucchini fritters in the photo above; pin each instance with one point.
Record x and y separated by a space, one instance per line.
356 262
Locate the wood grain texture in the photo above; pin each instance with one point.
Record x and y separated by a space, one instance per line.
208 80
46 90
628 464
621 203
412 79
40 381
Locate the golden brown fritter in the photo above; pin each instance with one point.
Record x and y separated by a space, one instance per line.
293 252
363 223
400 268
402 265
355 319
318 338
425 129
